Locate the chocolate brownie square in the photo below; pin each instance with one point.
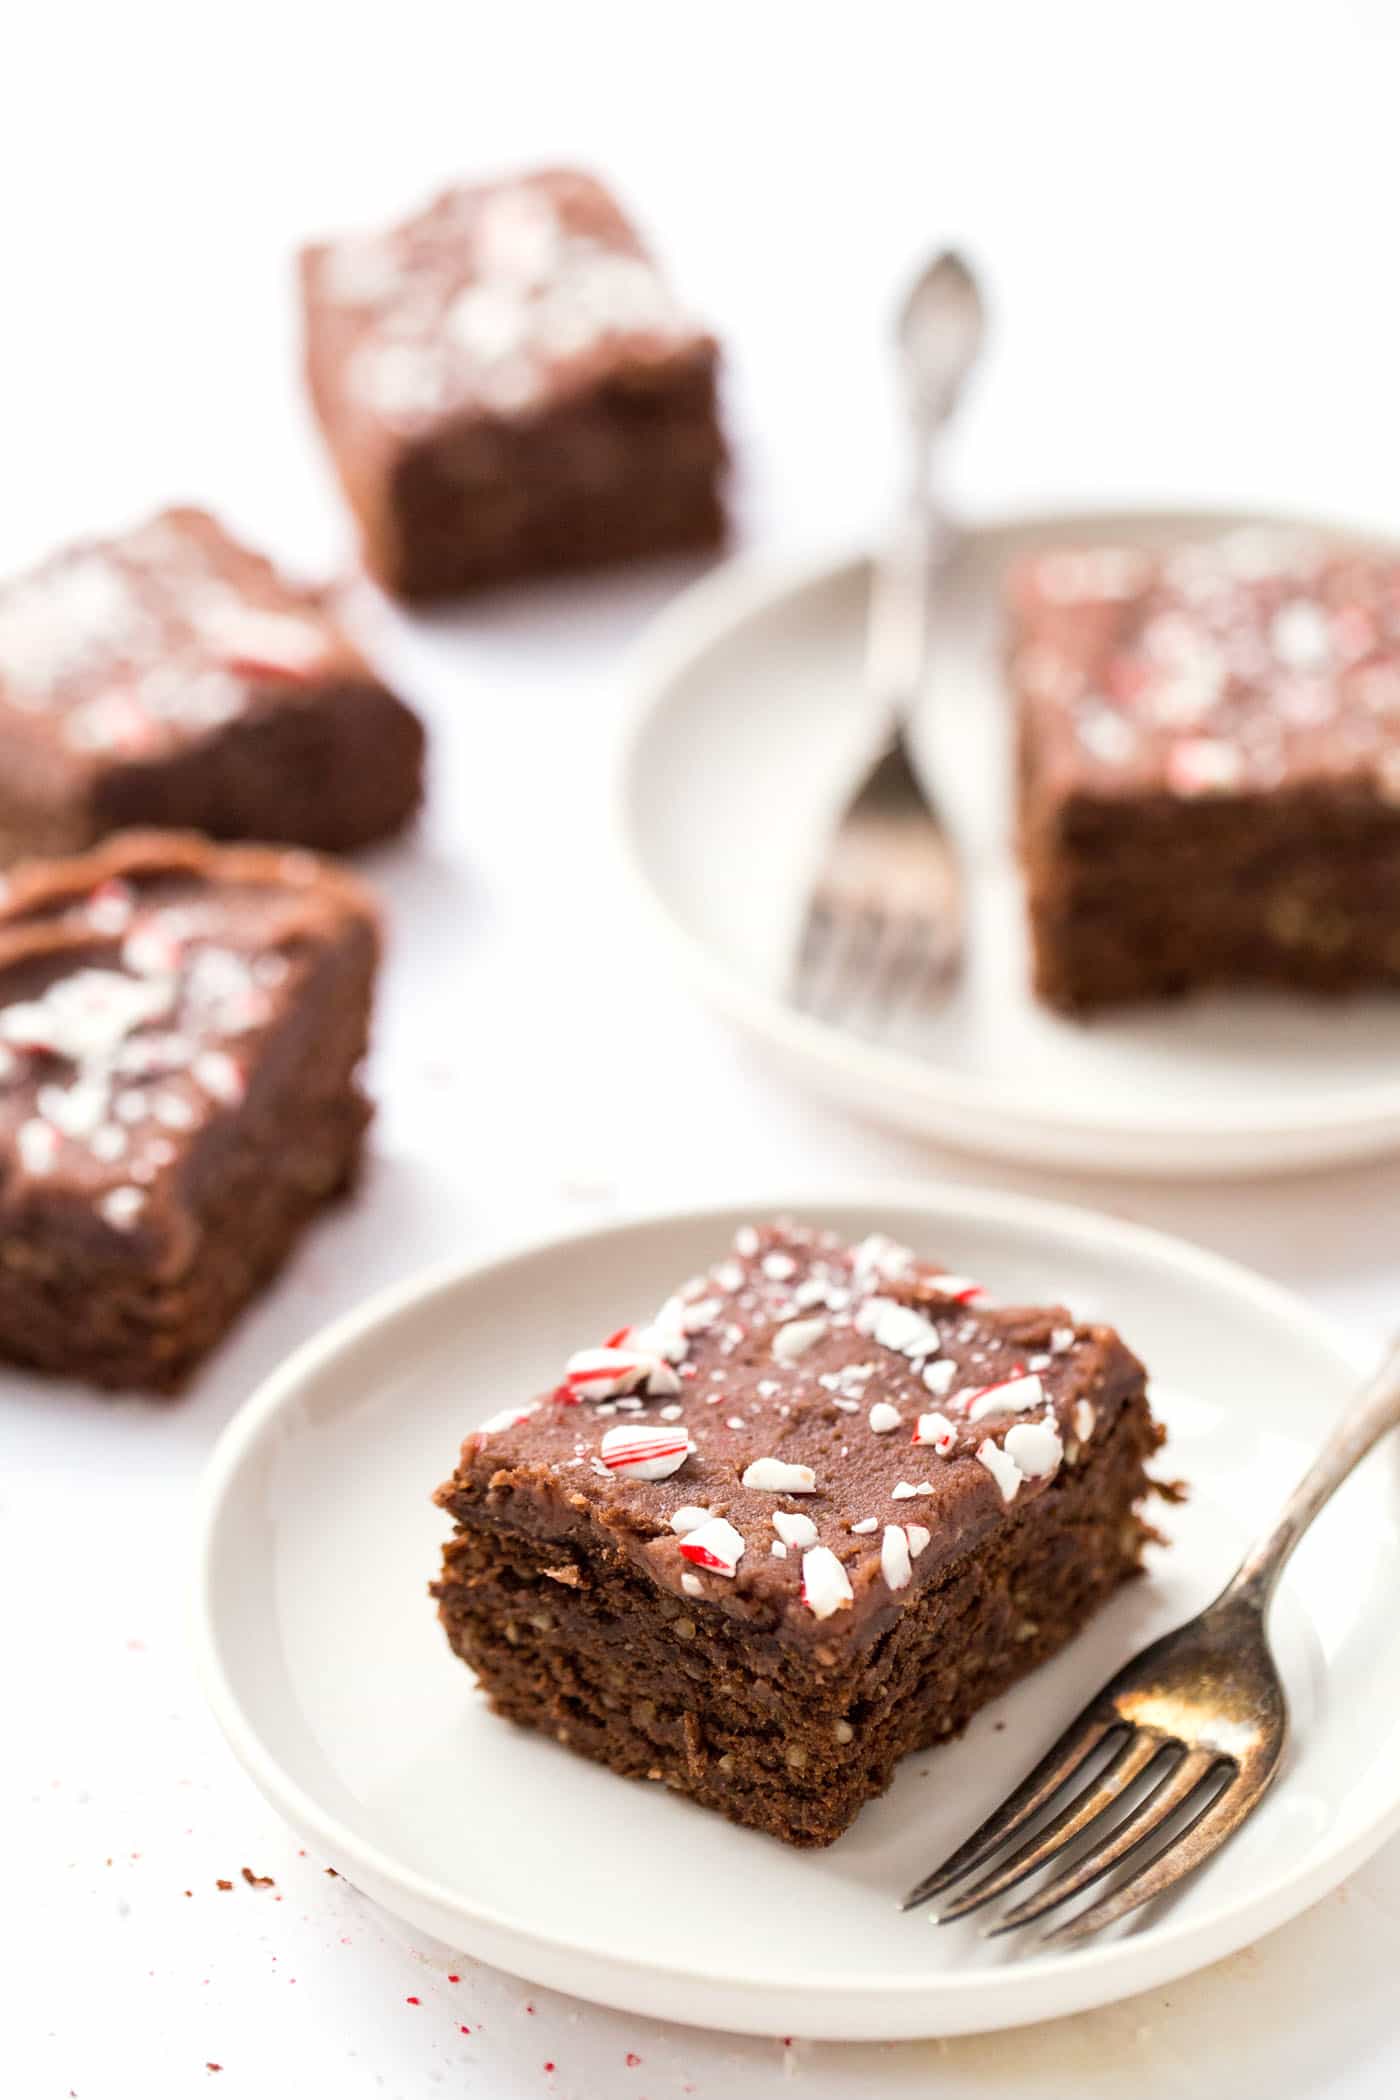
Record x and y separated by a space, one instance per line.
823 1508
507 388
1209 767
170 677
180 1030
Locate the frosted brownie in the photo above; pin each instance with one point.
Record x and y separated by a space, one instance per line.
169 676
817 1513
1209 767
180 1030
508 387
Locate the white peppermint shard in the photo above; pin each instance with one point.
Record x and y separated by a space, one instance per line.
796 1338
780 1478
826 1587
895 1564
898 1327
1002 1467
1035 1447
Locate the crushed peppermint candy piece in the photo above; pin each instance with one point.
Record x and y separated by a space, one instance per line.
640 1453
506 1419
778 1268
1204 765
939 1375
1061 1339
937 1430
898 1327
866 1525
746 1242
918 1536
692 1585
780 1478
715 1545
217 1073
879 1255
796 1338
1011 1396
961 1289
603 1374
884 1418
37 1145
793 1528
688 1516
1084 1419
121 1207
1002 1467
826 1587
1035 1447
778 1549
895 1563
904 1490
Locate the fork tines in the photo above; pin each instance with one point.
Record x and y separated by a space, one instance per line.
1191 1785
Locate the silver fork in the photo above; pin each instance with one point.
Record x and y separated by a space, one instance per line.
884 925
1200 1718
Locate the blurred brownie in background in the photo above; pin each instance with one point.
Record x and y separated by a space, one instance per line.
170 677
508 388
1209 767
180 1030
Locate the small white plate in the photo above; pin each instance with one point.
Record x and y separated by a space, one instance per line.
325 1665
749 731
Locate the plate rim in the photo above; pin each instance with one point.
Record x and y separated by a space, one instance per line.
752 581
1115 1970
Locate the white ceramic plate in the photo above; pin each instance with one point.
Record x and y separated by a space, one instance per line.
749 730
326 1667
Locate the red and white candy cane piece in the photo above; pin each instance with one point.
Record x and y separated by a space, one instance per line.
826 1587
606 1374
937 1430
716 1546
961 1289
506 1419
644 1454
1016 1395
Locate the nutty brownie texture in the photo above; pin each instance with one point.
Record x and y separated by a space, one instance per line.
180 1030
171 677
508 388
1209 767
823 1508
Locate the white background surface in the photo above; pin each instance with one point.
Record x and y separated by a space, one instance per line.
1185 217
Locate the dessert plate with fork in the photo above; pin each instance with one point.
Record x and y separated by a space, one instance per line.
751 727
323 1660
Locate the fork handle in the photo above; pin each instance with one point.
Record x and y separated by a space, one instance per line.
1375 1410
901 587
